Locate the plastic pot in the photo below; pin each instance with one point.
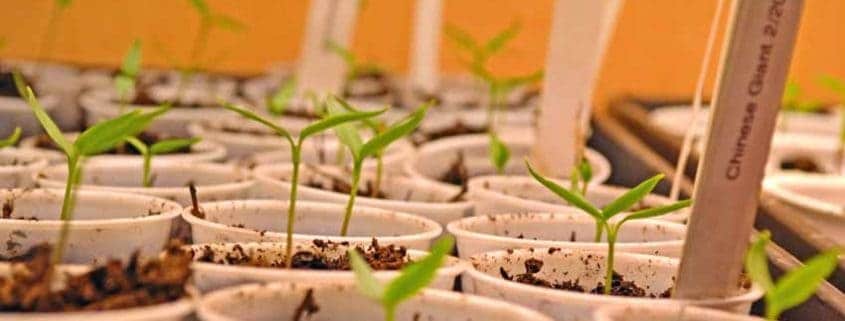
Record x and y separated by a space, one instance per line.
17 167
201 152
264 221
279 301
212 276
818 149
434 159
14 112
404 194
674 312
523 194
819 197
567 230
59 81
214 182
654 274
105 224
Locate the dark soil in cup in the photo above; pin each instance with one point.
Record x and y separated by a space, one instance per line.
377 85
457 173
459 128
7 84
111 286
619 286
801 163
383 258
342 187
44 141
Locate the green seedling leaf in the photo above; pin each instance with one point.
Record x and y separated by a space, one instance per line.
139 145
337 119
501 39
585 170
228 23
416 276
835 84
342 52
64 4
106 135
201 7
791 92
170 145
572 197
499 153
132 61
799 284
47 123
280 100
394 133
374 125
12 139
253 116
631 197
367 283
657 211
123 84
509 84
461 38
756 263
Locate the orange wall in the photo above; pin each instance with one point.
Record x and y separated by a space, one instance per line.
655 52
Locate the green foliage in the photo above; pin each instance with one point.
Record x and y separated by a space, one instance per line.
580 177
354 65
793 288
604 215
124 81
12 139
499 153
411 280
158 148
279 101
63 4
792 99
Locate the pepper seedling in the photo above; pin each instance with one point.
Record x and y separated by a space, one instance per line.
348 135
377 127
604 215
95 140
328 122
12 139
279 101
479 56
838 86
158 148
794 287
499 153
580 177
124 81
208 20
411 280
354 65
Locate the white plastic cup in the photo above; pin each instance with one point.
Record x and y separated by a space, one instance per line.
17 167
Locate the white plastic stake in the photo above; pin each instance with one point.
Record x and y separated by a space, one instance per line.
755 62
425 49
320 70
579 36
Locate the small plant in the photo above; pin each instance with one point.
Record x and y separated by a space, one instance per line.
208 21
158 148
355 67
411 280
95 140
499 153
296 143
792 99
794 287
124 81
580 177
12 139
838 86
348 135
479 56
377 127
279 101
604 215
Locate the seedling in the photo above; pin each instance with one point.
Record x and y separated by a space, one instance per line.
328 122
158 148
580 177
838 86
499 153
12 139
604 215
279 101
208 21
355 67
348 135
479 56
124 81
794 287
49 39
377 127
95 140
792 99
411 280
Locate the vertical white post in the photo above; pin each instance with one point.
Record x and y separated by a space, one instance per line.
425 48
320 70
579 36
755 62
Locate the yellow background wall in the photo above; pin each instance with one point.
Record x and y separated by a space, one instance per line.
655 52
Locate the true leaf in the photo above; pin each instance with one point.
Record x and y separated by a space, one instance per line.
417 275
250 115
280 100
499 153
393 133
367 283
585 170
170 145
46 122
573 198
657 211
499 41
337 119
106 135
631 197
138 144
461 38
374 125
132 61
756 264
12 139
799 284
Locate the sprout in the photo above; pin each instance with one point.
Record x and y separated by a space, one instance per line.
349 136
377 127
12 139
312 129
499 153
208 20
280 100
95 140
479 56
603 215
158 148
794 287
411 280
124 81
354 66
580 177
